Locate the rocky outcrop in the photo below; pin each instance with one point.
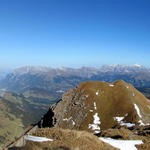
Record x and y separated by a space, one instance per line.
72 102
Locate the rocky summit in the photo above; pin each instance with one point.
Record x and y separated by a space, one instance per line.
95 106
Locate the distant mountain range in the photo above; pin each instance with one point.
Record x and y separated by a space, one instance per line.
58 81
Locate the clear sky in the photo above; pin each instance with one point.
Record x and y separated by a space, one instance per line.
74 33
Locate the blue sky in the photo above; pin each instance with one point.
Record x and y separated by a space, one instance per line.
74 33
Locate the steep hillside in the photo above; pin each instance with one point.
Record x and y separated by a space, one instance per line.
96 106
17 113
11 126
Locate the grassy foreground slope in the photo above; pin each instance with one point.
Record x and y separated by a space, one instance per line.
66 140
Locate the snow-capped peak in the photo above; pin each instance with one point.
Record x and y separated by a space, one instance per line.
137 65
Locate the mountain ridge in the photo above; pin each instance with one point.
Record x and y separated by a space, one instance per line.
27 69
133 108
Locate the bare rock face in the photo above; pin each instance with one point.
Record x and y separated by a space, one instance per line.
95 106
72 102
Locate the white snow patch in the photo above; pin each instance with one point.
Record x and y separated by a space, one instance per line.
73 123
111 85
91 110
95 106
122 144
67 119
37 139
119 120
139 114
133 94
97 132
127 86
127 124
141 123
97 92
96 119
137 65
95 126
137 110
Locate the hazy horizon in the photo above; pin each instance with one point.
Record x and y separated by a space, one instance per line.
60 67
74 33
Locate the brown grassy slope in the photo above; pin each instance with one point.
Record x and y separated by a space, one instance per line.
112 101
117 101
67 140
